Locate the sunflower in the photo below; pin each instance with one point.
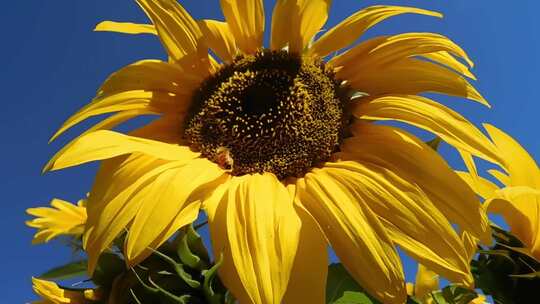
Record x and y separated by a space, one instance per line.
280 148
518 201
64 218
51 293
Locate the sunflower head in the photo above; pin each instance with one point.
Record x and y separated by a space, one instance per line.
272 111
271 144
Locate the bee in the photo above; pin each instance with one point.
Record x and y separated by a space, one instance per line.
224 159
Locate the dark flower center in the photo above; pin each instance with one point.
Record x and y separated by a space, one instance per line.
269 112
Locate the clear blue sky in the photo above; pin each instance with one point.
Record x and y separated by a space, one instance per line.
53 63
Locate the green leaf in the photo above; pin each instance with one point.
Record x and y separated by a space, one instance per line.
341 288
71 270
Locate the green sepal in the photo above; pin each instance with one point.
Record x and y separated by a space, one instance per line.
67 271
165 296
209 288
179 270
187 238
109 266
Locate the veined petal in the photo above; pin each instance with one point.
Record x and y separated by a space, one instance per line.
432 116
308 275
356 235
119 102
121 186
397 47
409 76
295 23
470 243
170 200
254 225
146 85
150 75
125 28
413 160
521 167
216 209
246 22
263 235
450 61
167 129
220 39
103 144
423 252
350 29
405 206
179 33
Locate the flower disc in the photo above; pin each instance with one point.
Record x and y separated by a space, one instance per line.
269 112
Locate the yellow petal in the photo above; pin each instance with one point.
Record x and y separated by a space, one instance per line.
521 167
263 235
104 144
255 227
123 101
179 34
150 85
125 28
356 235
51 293
450 61
295 23
216 209
63 218
246 22
308 275
167 128
423 252
432 116
470 243
150 75
426 282
122 184
219 38
169 197
483 187
501 177
409 76
406 207
350 29
397 47
416 162
520 207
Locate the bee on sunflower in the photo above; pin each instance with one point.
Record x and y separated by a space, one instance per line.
281 148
